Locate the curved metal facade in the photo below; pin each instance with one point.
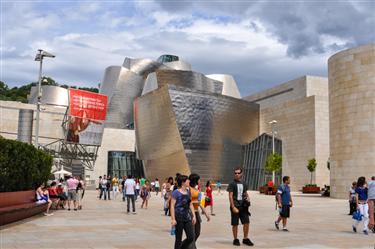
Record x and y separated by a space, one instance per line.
185 130
51 95
183 120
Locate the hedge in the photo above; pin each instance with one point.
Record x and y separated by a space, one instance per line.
22 166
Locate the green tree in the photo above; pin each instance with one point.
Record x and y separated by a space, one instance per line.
274 164
311 166
22 166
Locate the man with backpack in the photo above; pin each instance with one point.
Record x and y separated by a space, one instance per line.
284 203
239 207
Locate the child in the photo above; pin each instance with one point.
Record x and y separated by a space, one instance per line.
352 200
285 202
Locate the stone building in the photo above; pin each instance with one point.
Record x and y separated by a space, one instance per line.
352 116
300 108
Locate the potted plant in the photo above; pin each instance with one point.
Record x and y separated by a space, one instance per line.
311 188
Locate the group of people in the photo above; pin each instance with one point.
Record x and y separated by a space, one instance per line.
61 193
362 203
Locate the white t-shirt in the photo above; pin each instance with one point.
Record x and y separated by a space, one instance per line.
157 184
129 186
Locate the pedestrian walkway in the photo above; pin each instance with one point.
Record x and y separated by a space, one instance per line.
315 223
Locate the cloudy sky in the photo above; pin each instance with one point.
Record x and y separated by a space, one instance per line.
261 43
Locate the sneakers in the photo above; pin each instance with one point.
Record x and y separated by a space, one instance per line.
277 225
48 214
354 229
285 230
247 242
365 232
134 212
236 242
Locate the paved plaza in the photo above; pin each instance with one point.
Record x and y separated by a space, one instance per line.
315 222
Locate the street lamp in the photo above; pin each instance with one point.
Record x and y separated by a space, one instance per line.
273 123
39 57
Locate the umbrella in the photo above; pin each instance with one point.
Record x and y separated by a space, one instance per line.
62 172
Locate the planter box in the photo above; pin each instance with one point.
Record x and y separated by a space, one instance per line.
264 190
310 190
18 205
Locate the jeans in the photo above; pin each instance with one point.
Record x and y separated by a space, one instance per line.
363 209
186 226
136 194
109 193
128 198
103 191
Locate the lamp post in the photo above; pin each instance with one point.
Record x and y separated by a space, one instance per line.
39 57
273 123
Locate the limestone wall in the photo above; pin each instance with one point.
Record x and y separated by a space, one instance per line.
352 116
300 107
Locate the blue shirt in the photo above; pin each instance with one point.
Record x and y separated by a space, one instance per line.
182 206
362 193
284 192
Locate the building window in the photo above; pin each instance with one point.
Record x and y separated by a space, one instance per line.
124 163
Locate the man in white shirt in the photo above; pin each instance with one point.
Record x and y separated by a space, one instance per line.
130 192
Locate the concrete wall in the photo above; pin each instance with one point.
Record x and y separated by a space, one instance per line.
352 112
300 107
50 121
113 140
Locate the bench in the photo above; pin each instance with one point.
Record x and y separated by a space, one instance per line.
18 205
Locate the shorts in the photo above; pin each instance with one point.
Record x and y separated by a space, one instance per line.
243 215
72 194
41 201
285 211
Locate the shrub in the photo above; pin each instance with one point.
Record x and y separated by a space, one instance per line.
22 166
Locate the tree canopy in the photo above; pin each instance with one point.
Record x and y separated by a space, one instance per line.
20 93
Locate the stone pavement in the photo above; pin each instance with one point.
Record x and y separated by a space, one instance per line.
315 223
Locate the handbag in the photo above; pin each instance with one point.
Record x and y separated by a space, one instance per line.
207 199
357 215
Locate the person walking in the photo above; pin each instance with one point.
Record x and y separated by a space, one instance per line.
123 190
239 203
72 184
371 203
157 186
361 192
100 188
284 202
196 201
108 187
145 194
115 186
130 192
352 199
218 185
103 190
209 201
80 192
182 213
270 187
137 188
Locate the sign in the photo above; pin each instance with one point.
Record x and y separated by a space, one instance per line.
87 105
87 113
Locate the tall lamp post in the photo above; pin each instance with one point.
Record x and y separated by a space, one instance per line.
273 123
39 57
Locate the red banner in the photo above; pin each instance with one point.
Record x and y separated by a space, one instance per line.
87 105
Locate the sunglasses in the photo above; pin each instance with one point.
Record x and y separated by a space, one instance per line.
236 173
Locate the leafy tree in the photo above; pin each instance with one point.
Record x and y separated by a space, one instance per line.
311 166
274 164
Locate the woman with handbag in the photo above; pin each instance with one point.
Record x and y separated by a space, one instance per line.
208 197
362 205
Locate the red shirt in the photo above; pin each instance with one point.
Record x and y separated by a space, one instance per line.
52 192
270 184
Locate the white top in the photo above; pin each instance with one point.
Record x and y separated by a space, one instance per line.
129 186
157 184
